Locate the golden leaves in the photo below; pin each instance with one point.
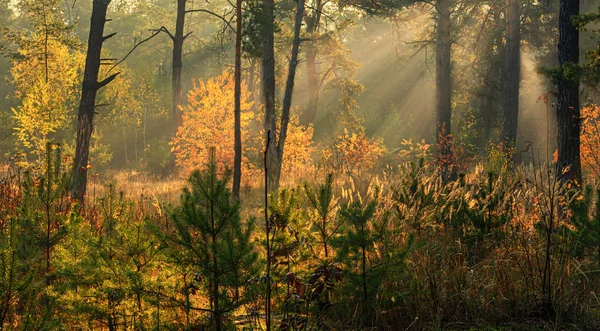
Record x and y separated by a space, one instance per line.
208 121
590 139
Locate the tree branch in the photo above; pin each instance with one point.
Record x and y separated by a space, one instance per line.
105 38
137 44
211 13
106 81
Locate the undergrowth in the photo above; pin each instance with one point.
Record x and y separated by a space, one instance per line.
499 248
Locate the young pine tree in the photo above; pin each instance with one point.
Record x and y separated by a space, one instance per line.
324 214
587 224
210 238
365 228
32 226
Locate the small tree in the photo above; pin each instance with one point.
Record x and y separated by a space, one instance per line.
365 228
216 243
35 217
325 209
586 223
208 120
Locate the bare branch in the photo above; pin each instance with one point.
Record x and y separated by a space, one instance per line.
105 38
211 13
107 80
137 44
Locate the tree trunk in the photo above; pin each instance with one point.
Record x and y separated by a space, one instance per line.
289 86
237 162
493 82
568 112
89 89
268 92
512 74
177 66
268 85
312 71
443 83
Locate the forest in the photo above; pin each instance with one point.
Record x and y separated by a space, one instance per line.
300 165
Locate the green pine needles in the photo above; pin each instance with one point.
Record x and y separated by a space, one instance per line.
211 240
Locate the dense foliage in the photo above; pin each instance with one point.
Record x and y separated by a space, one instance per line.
490 248
359 165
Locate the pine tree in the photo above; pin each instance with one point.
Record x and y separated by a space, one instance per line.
210 238
325 210
31 232
365 227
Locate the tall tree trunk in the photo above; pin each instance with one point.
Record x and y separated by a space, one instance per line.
177 66
237 161
275 148
443 84
268 87
568 112
268 92
512 74
289 85
89 89
312 71
495 77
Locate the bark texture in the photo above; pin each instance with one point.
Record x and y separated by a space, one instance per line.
313 20
237 160
568 112
443 84
89 90
275 149
512 74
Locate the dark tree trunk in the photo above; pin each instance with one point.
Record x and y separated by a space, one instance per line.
312 71
237 162
493 81
89 89
568 112
512 74
177 66
275 150
268 90
443 83
289 86
178 39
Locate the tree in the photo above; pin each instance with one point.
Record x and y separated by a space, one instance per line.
276 140
568 112
89 90
178 39
177 64
208 123
313 21
45 58
366 229
237 161
324 213
443 85
512 74
217 245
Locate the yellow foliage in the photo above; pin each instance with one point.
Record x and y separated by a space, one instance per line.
48 90
590 139
208 121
